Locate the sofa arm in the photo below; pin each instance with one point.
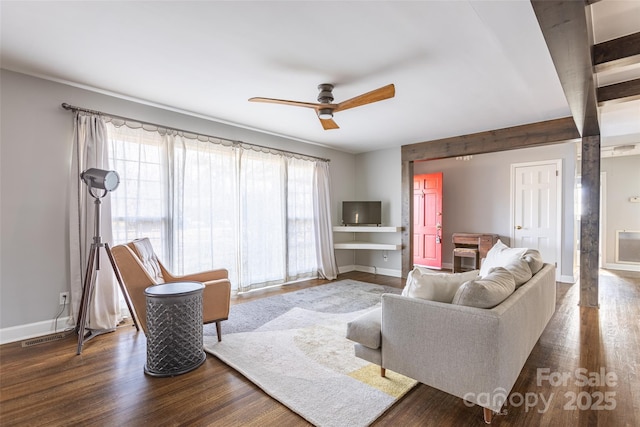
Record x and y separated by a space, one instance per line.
203 276
365 329
216 300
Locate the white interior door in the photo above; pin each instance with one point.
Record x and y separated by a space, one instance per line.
536 207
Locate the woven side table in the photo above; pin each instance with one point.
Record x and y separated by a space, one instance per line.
174 328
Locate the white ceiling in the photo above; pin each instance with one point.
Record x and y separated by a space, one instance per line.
459 67
619 123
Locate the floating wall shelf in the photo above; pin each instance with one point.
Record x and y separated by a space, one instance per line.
357 244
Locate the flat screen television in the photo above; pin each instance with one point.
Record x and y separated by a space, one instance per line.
361 213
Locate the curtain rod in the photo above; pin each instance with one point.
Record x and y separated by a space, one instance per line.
115 116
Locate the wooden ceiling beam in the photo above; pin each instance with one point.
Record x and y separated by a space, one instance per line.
619 92
511 138
565 28
617 52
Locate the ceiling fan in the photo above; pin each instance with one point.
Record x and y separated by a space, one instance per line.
325 108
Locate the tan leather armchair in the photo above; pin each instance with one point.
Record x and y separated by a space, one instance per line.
140 268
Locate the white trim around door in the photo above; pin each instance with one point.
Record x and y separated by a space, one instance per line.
554 240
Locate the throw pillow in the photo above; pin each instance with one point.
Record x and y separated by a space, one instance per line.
499 256
486 292
416 272
148 259
534 259
439 287
520 270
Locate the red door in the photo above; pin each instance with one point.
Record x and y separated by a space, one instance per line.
427 220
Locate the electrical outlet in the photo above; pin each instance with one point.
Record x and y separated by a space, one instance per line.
64 298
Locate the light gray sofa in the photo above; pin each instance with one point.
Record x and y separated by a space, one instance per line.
473 353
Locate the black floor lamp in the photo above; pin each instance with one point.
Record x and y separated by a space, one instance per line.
99 182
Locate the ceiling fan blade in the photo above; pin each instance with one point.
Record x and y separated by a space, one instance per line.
329 124
287 102
376 95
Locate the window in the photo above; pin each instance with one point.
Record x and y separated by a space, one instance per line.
139 206
207 205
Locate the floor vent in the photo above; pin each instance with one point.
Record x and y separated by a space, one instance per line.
42 340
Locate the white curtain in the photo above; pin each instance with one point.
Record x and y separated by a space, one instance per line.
90 151
301 236
327 266
263 244
208 203
203 205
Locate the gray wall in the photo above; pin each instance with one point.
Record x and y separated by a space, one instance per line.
378 178
622 182
35 162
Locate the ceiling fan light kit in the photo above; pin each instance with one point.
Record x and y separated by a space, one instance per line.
325 108
325 113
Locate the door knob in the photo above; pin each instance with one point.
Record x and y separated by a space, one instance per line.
518 227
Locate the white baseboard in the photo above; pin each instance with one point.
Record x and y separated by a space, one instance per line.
346 268
33 330
566 279
372 270
624 267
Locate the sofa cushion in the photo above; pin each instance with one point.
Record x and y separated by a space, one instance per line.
366 328
439 287
499 256
486 292
534 259
520 270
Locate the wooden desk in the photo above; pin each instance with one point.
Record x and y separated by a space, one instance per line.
481 242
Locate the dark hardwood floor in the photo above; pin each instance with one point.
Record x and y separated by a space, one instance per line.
49 385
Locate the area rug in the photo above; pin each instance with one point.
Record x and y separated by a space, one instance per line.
293 347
